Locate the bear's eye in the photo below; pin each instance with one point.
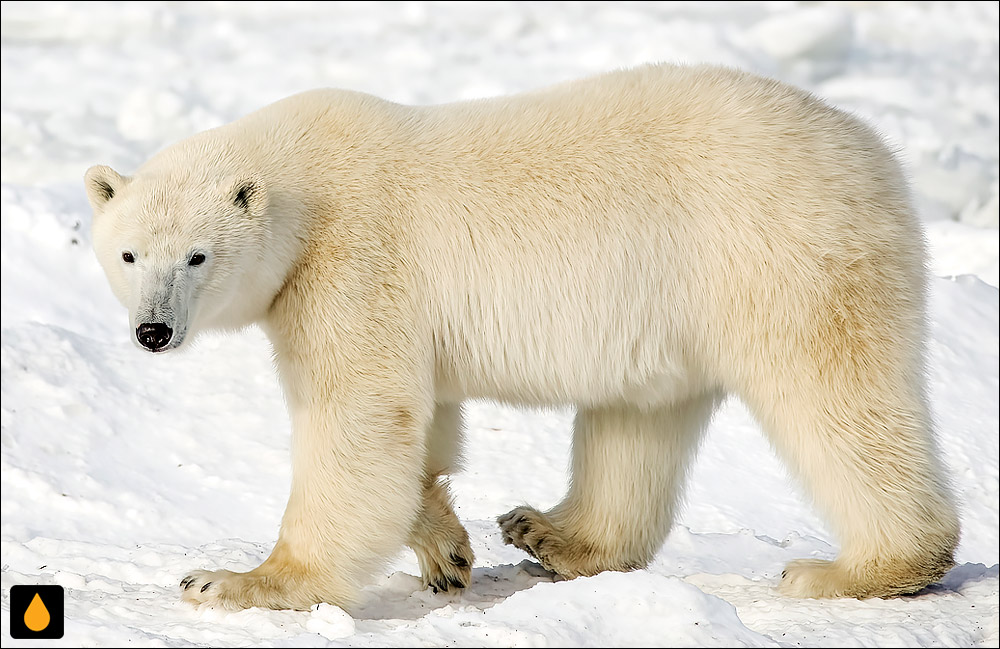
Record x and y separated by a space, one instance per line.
128 258
197 259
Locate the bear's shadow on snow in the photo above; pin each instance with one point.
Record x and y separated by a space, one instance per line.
402 596
962 576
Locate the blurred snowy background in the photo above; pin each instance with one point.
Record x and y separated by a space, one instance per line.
120 472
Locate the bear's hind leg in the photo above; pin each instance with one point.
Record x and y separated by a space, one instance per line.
629 467
856 430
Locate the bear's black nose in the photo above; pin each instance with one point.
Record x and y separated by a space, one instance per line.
153 335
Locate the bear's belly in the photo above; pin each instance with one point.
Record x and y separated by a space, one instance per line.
567 371
585 312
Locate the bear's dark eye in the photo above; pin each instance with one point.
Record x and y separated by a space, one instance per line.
128 258
197 259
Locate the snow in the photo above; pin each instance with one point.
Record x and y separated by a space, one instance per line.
121 472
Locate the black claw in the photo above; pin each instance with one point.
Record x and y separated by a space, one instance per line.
459 561
190 583
456 582
784 573
205 587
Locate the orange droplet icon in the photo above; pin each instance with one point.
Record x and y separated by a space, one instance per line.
37 616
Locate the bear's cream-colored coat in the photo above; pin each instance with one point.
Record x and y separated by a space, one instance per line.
638 244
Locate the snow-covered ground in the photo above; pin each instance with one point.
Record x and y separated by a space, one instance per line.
120 471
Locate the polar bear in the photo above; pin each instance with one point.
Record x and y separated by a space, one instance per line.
638 244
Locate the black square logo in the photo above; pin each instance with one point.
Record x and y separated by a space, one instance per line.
36 612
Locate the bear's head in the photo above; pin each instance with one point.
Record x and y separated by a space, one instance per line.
181 247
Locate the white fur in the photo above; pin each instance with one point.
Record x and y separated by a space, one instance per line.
637 243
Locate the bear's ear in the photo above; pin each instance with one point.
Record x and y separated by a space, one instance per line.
248 194
102 184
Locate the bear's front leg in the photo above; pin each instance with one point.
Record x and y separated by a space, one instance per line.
356 491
